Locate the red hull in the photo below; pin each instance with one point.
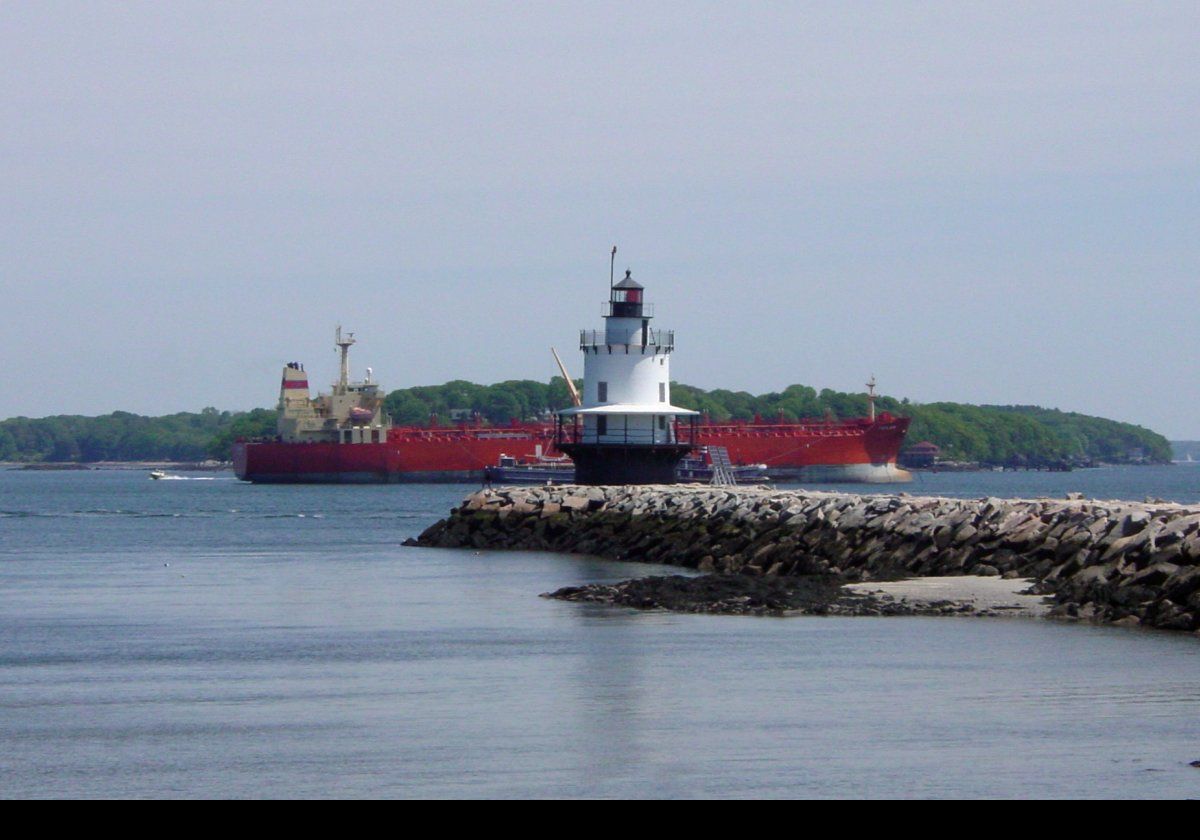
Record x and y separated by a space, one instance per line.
798 445
412 454
407 455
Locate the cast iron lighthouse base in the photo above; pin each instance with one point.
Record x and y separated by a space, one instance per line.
625 463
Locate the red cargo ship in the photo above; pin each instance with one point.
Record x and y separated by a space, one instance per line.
345 437
857 450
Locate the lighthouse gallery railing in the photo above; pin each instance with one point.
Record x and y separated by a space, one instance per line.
660 339
682 432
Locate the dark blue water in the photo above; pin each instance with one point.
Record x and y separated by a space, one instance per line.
207 638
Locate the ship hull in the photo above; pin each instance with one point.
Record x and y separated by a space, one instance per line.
425 457
858 451
849 451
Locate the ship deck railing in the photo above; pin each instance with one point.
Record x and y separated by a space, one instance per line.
785 428
475 432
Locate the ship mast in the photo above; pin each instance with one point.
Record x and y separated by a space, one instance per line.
344 344
871 397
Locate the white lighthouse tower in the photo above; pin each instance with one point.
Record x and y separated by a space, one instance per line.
626 431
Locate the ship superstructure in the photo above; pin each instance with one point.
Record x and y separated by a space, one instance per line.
346 437
351 413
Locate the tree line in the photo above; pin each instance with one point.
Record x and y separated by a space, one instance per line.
988 434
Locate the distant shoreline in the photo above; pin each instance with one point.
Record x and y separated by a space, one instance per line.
225 466
961 467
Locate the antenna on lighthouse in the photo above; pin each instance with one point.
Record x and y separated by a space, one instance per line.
612 264
344 345
871 396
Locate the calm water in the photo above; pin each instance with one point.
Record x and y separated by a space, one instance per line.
209 638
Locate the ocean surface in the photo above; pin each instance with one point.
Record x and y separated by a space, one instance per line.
200 637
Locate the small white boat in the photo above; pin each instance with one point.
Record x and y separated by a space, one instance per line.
157 474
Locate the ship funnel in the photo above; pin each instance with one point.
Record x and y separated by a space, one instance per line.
293 391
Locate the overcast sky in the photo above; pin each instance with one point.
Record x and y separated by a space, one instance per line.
979 202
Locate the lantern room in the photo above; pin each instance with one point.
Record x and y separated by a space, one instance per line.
626 298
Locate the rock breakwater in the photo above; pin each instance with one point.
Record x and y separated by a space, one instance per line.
1122 562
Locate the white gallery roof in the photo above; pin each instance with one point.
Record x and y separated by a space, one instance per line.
630 408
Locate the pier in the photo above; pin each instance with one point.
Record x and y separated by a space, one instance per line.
1127 563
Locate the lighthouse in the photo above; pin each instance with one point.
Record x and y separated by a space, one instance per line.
625 431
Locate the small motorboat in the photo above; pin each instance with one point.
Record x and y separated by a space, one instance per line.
537 469
157 474
708 464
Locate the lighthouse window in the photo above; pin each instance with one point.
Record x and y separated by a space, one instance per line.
662 423
662 392
602 392
601 425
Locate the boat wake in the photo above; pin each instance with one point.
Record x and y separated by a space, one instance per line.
195 478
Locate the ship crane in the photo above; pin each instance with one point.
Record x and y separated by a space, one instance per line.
574 392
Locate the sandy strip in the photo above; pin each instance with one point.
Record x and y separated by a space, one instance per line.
986 595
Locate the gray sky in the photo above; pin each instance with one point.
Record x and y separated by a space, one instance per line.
975 202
